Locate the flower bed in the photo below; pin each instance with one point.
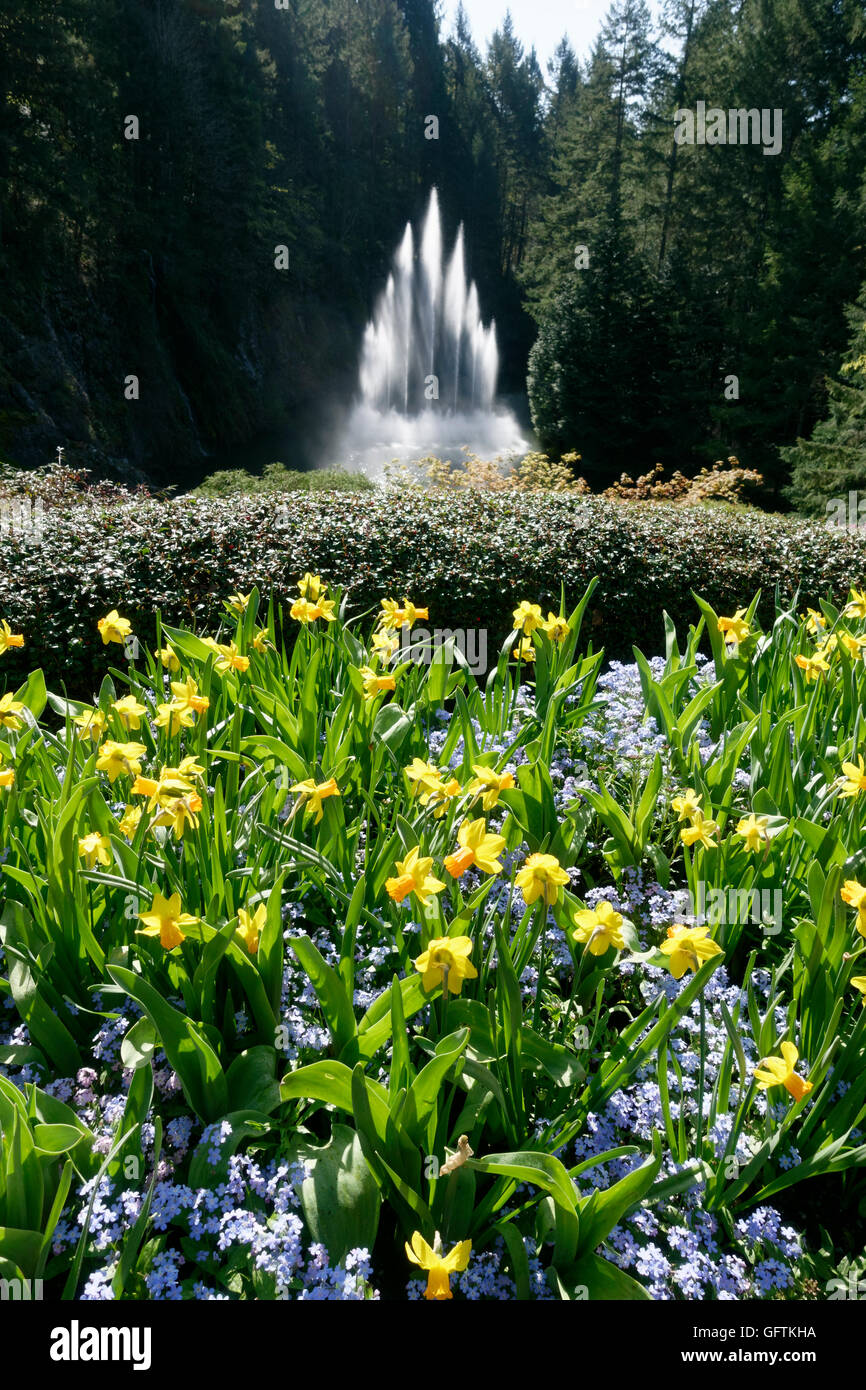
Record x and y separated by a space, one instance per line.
327 973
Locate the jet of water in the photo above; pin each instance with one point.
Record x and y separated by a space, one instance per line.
426 342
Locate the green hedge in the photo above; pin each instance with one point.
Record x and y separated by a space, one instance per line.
470 557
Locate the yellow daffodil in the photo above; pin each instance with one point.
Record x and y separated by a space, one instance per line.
313 794
178 811
113 628
854 781
146 786
324 608
174 717
753 829
856 606
425 779
385 646
488 784
130 712
812 666
541 877
815 621
859 982
477 847
438 1267
555 628
446 962
525 651
261 641
853 645
168 658
304 611
854 894
238 603
187 697
250 927
688 804
411 614
779 1071
172 783
91 723
130 822
120 759
441 797
230 659
188 767
688 948
8 638
527 617
391 615
429 785
7 778
9 712
701 831
165 920
735 629
310 587
375 682
600 929
94 848
413 876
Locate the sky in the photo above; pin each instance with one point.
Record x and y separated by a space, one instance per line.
538 22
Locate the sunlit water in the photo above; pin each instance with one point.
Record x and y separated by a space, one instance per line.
429 365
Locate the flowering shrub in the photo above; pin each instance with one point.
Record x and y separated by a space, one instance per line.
58 485
330 974
724 482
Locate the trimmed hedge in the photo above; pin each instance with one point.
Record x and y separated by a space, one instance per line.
469 556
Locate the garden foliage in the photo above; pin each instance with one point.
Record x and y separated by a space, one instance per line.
472 555
322 964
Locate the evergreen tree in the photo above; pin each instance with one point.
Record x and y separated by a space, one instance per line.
832 462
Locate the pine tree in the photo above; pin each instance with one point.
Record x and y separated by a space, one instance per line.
832 462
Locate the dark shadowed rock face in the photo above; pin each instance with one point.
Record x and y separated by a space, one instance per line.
66 364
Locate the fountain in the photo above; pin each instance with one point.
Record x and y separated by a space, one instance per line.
428 370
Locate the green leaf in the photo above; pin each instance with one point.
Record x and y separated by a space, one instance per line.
392 726
133 1240
542 1170
593 1278
33 694
331 994
46 1030
339 1196
22 1248
604 1210
518 1258
139 1045
55 1139
421 1100
188 1052
251 1081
